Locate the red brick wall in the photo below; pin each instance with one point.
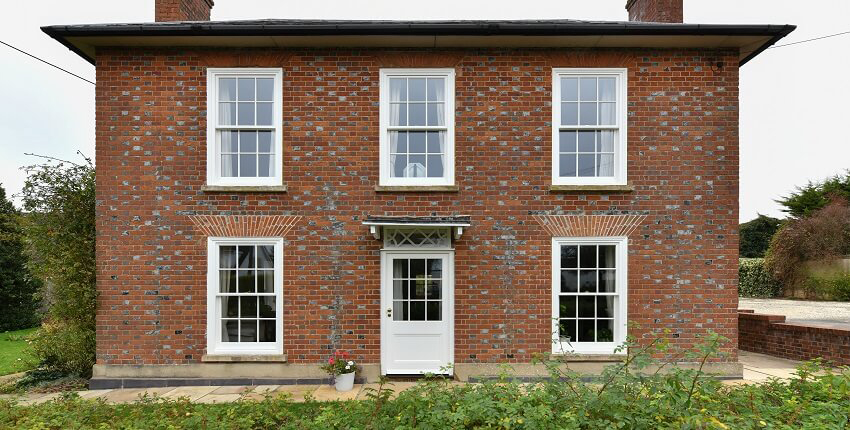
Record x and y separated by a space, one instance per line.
769 334
182 10
151 160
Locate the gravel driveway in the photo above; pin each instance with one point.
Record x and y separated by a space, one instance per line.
833 314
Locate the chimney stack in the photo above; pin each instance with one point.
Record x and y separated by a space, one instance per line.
655 10
182 10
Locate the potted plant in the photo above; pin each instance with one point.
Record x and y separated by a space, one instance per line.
342 368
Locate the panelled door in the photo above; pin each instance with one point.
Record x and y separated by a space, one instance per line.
417 294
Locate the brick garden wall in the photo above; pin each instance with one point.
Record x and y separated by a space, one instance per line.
770 334
151 161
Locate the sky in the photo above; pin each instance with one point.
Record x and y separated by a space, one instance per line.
792 98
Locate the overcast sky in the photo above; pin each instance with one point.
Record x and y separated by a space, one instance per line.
792 99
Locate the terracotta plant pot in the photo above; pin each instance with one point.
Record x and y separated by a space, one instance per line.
344 382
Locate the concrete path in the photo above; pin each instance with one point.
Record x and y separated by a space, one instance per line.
829 314
757 368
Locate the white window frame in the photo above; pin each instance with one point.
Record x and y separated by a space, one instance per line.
621 300
620 151
214 145
214 344
384 115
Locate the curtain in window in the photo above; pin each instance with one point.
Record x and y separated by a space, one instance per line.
228 161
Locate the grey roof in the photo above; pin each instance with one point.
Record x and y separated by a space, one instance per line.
459 220
289 27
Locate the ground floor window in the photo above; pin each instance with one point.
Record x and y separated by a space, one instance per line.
245 281
589 294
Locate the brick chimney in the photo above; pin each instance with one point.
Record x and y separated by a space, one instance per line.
655 10
182 10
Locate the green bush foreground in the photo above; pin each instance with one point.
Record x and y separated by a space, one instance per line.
754 280
622 397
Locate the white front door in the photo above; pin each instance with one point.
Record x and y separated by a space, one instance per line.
417 312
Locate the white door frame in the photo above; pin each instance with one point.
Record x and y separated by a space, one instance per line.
386 297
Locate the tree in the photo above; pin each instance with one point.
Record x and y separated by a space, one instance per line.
18 304
755 236
60 231
816 195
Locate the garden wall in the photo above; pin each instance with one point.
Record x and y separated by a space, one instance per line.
770 334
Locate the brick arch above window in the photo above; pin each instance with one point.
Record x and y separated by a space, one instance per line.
590 225
245 225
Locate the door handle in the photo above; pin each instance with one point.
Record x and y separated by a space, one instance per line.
389 312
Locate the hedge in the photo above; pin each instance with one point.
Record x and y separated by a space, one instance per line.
755 281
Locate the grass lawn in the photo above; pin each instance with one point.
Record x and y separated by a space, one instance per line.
13 354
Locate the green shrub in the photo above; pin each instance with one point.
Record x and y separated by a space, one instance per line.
755 281
18 304
829 287
75 354
755 235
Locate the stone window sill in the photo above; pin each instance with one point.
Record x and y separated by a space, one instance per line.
243 189
417 188
592 188
244 358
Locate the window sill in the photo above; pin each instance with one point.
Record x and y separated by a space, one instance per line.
417 188
243 188
244 358
591 188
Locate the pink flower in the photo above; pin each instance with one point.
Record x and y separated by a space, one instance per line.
331 360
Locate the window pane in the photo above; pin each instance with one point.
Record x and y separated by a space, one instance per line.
567 306
435 268
417 289
265 89
246 89
586 306
248 331
248 307
417 311
247 281
587 256
434 313
227 257
265 169
264 113
415 167
247 141
416 142
400 268
248 166
416 89
398 114
436 141
265 256
607 279
435 166
587 281
569 113
607 114
267 307
434 290
586 330
230 307
436 114
568 330
400 289
267 331
605 141
587 90
586 165
606 164
246 114
569 281
587 114
416 113
607 256
605 306
398 165
229 165
399 310
567 165
586 142
436 89
569 89
605 330
227 89
226 113
607 89
246 257
567 141
569 256
398 141
229 141
230 331
398 89
265 281
417 268
227 281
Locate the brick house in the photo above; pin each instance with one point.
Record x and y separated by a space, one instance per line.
430 196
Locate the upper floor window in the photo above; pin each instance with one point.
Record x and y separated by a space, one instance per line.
589 126
244 121
417 127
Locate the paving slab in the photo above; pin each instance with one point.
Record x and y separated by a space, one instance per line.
761 367
37 398
93 394
133 394
193 393
328 393
297 392
260 392
232 389
219 398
